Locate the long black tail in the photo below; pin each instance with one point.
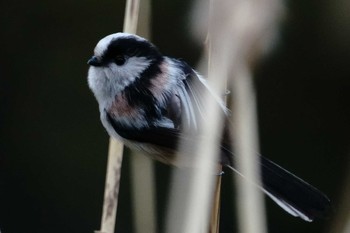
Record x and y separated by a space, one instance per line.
294 195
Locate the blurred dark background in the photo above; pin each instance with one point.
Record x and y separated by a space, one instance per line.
53 149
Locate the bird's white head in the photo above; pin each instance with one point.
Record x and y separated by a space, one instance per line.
119 60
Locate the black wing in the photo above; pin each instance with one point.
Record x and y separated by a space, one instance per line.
184 107
160 136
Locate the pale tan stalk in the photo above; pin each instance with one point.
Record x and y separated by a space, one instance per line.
141 166
110 201
214 226
193 189
115 152
241 32
251 32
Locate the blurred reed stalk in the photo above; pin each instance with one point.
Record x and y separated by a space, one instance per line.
141 166
192 190
250 200
241 32
214 226
251 33
115 152
251 25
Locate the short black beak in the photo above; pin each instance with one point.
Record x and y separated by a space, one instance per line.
94 61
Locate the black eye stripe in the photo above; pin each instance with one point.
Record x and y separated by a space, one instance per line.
120 60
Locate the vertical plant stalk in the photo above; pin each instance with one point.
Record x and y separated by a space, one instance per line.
131 16
191 208
141 166
215 212
250 202
110 202
115 151
144 204
243 31
192 190
253 28
214 226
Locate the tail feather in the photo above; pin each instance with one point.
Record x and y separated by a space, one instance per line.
291 193
288 208
306 201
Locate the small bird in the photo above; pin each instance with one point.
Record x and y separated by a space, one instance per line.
148 101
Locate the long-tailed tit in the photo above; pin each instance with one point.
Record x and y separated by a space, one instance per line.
147 100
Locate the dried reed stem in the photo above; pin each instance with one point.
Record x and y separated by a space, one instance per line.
241 32
144 204
250 204
192 191
131 16
142 169
252 29
214 226
215 212
115 152
110 202
141 166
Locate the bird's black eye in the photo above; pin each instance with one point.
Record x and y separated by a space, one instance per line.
120 60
